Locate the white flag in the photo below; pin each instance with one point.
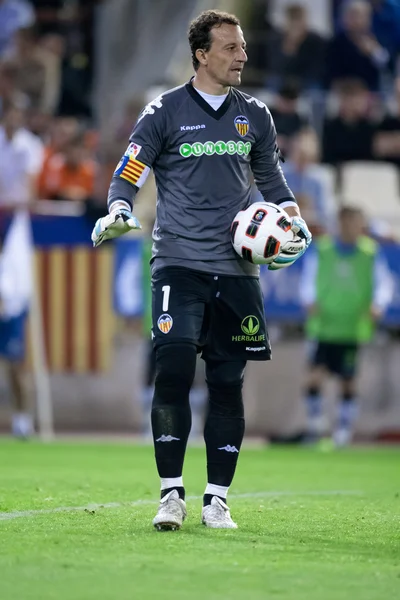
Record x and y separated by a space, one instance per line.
16 263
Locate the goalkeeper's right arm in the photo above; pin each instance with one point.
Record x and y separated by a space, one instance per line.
120 219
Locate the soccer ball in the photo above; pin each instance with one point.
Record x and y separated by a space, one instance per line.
260 232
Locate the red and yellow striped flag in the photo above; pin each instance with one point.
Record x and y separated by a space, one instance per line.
75 292
131 170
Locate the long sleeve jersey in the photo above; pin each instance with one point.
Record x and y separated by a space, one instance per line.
204 161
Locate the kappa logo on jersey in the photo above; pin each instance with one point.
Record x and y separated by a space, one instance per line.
192 127
133 150
209 148
242 125
150 108
165 323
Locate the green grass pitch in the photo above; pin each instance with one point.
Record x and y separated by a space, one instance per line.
312 526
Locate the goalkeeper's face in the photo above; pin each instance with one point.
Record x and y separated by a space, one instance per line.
227 56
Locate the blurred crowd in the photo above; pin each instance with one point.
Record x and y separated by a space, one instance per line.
334 101
46 74
364 44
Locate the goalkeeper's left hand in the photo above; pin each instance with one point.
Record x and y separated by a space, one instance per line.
291 251
117 223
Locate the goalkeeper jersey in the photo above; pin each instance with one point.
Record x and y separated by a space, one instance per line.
204 161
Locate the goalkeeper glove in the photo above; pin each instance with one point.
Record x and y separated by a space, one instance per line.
118 222
291 251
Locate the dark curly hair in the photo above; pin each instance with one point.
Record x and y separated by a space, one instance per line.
200 28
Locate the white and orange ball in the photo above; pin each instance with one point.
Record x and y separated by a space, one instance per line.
260 232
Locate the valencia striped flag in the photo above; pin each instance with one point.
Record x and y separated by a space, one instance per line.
75 291
132 170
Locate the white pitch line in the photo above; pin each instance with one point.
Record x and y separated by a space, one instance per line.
7 516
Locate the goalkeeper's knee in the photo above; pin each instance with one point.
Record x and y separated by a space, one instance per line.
225 383
175 370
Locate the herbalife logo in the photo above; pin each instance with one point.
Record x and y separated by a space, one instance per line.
229 448
167 438
210 148
250 325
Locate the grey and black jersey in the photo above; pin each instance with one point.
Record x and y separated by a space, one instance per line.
203 160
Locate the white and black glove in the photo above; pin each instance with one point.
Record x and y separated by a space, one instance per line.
291 251
119 221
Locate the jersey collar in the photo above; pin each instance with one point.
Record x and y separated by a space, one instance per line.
215 114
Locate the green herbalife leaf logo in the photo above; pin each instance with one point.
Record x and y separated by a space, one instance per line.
250 325
210 148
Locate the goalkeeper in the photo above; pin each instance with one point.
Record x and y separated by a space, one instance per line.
203 141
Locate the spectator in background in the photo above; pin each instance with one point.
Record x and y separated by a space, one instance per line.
9 92
386 144
69 175
21 155
15 292
37 71
49 15
287 118
14 15
354 52
349 135
296 51
386 26
21 159
308 181
39 123
77 66
346 289
61 131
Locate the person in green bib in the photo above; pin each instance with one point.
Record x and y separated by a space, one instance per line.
346 288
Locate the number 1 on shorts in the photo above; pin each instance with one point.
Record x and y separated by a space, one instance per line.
165 290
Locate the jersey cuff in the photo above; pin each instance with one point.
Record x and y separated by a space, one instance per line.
121 204
286 202
121 191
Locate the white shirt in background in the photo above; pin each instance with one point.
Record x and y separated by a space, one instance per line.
20 159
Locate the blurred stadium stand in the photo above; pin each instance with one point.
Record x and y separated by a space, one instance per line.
374 187
106 60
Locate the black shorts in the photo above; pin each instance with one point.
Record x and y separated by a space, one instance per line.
223 316
340 359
